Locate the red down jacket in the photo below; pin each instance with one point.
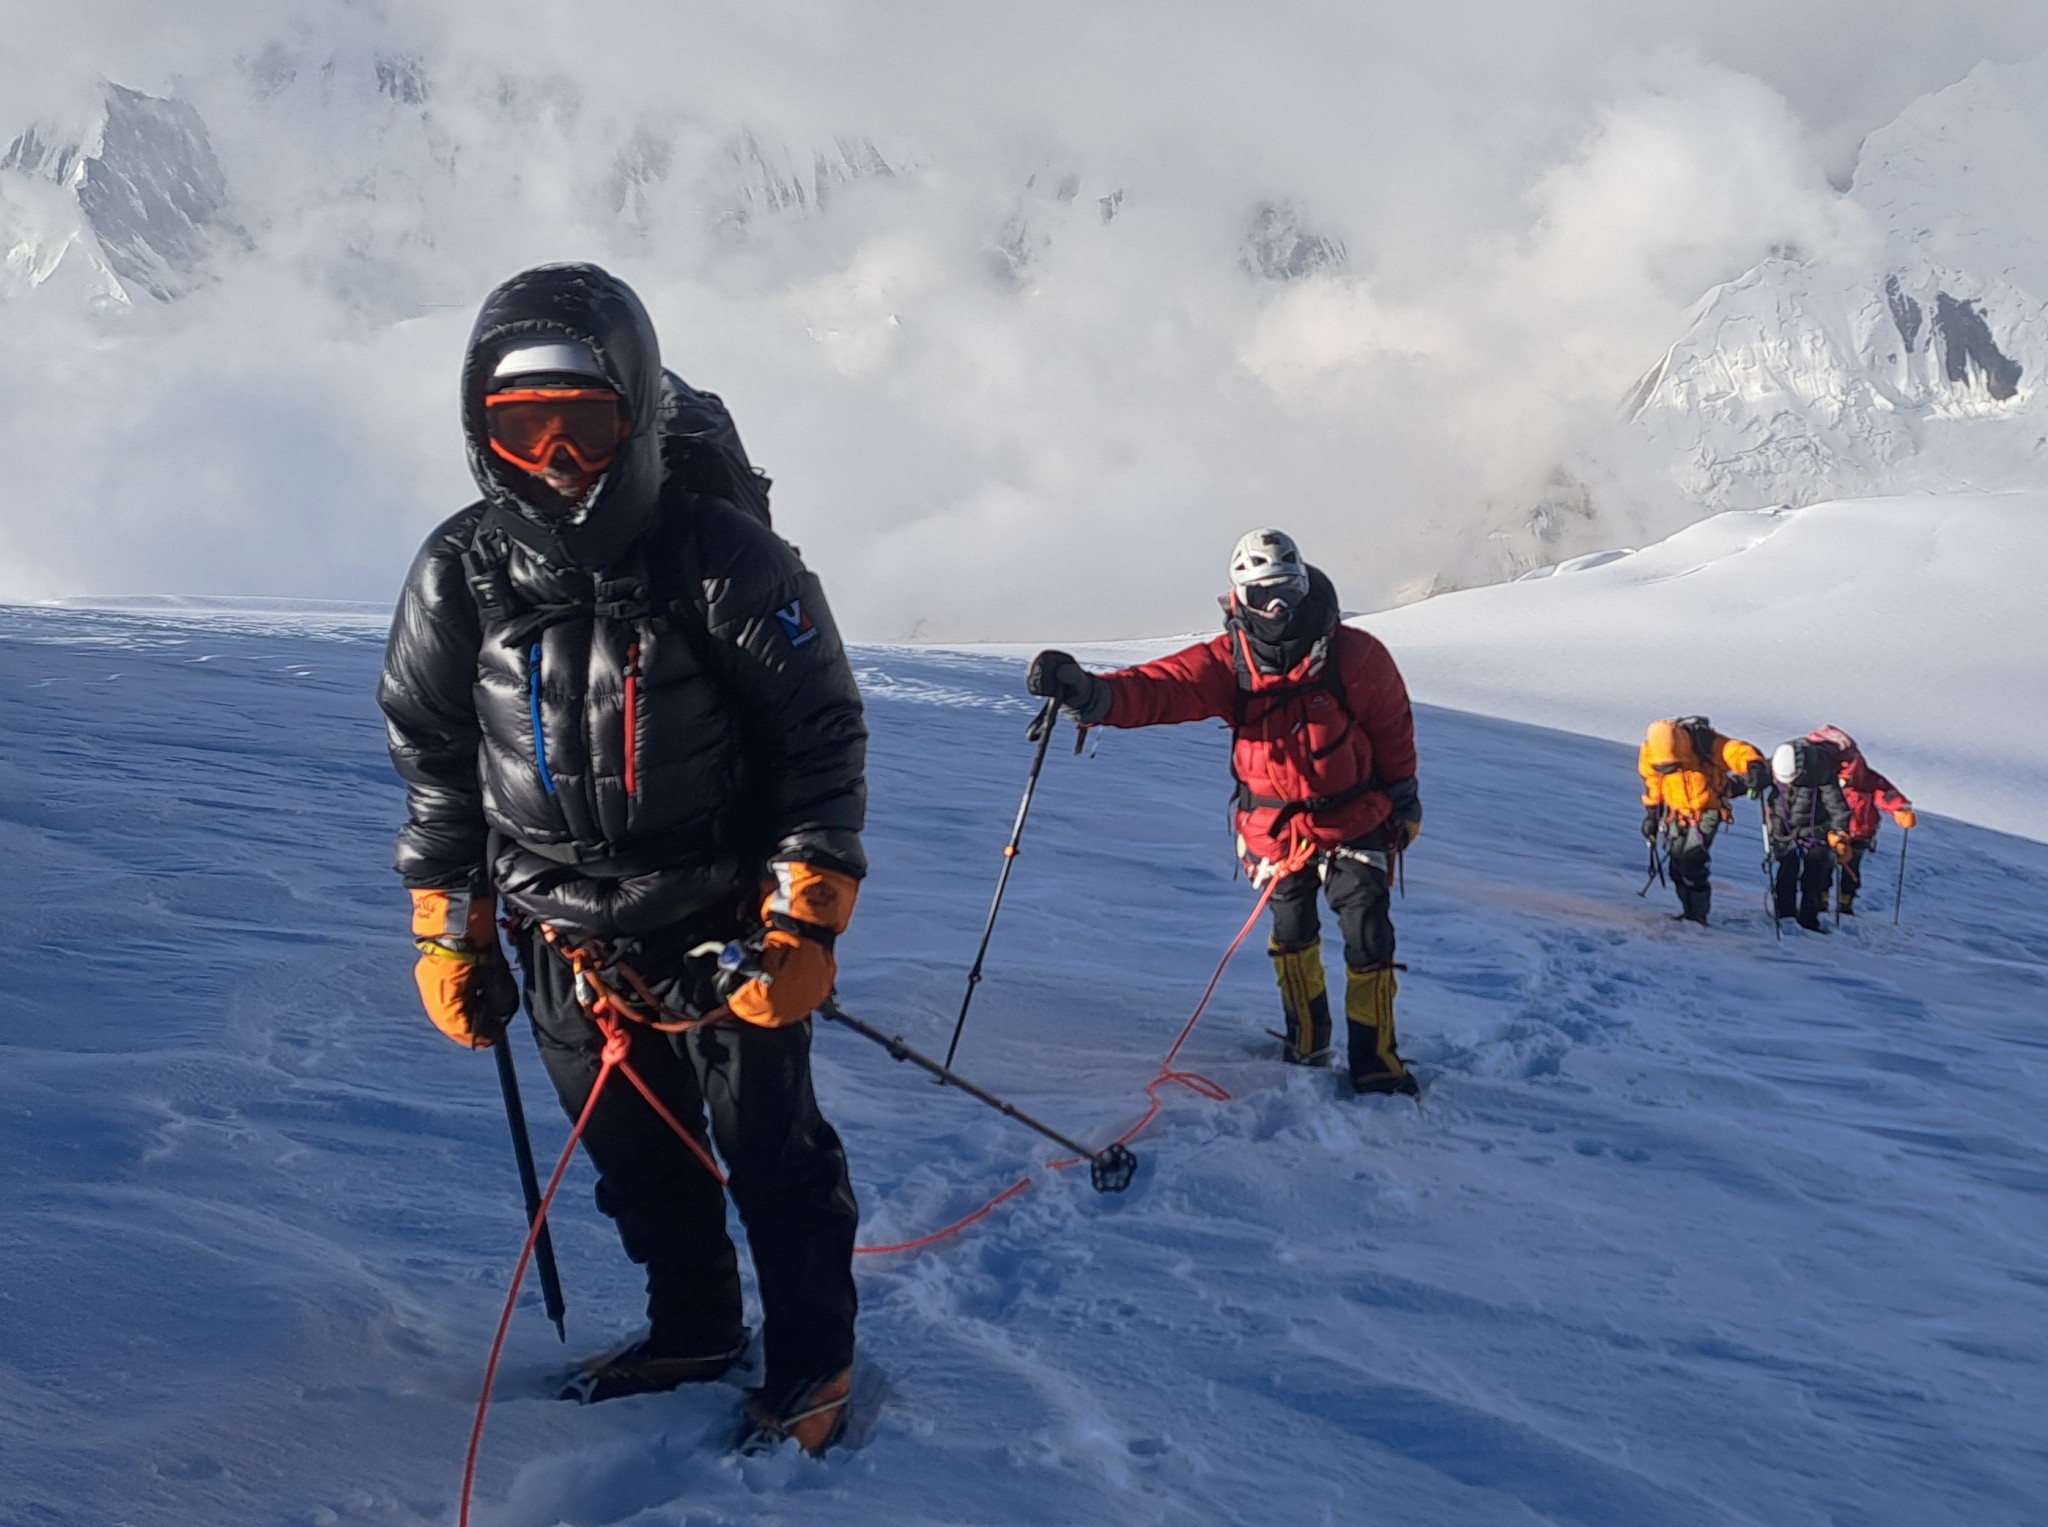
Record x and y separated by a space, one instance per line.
1296 742
1868 792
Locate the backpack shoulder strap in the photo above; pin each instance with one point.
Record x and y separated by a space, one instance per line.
629 594
1333 677
486 564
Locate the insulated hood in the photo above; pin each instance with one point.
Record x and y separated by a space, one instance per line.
593 307
1665 746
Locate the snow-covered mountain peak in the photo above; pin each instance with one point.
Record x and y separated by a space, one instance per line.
1912 364
151 203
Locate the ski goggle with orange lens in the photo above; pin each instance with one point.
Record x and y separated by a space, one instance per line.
528 426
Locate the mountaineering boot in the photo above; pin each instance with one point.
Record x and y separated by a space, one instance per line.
1305 996
813 1411
1376 1066
1845 903
647 1366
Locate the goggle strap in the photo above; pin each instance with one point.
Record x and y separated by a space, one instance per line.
553 395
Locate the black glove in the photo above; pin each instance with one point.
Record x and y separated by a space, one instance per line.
1757 781
1407 816
1652 820
1054 675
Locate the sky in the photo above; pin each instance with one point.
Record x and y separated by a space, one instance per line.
1021 383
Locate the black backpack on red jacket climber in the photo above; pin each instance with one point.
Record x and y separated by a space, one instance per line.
1328 680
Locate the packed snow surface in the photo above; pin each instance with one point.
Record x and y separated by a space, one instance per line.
1915 624
1694 1226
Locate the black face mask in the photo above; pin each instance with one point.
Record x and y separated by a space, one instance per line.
1281 638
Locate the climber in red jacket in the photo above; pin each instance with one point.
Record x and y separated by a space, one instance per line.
1323 750
1869 793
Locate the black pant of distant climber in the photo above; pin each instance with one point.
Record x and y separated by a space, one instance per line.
1688 854
1801 883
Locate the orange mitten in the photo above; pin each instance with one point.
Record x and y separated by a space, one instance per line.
465 984
796 976
806 910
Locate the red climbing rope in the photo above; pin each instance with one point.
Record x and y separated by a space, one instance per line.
615 1045
1194 1081
957 1226
607 1009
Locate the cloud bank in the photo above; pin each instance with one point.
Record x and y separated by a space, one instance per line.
1029 310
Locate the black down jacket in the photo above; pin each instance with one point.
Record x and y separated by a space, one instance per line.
1801 814
623 720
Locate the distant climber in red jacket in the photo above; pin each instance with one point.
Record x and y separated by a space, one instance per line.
1869 793
1323 750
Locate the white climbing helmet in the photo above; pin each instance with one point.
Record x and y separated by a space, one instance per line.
1269 559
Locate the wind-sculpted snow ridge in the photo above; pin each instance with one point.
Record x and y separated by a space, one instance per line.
1912 365
1913 623
1693 1228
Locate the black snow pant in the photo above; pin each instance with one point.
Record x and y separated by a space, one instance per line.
1801 884
1357 890
787 1168
1358 895
1688 849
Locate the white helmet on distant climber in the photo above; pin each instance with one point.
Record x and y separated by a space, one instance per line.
1266 569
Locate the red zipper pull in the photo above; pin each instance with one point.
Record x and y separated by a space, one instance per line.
632 717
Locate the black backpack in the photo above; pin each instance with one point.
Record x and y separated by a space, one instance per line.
701 450
1699 732
1815 764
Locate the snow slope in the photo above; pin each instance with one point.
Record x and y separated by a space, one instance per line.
1916 624
1696 1227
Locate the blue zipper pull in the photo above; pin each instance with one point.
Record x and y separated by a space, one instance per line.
540 746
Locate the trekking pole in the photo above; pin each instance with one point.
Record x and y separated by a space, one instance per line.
529 1185
1110 1169
1040 732
1899 892
1770 889
1656 874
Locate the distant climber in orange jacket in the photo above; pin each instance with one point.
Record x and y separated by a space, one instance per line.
1689 771
1870 795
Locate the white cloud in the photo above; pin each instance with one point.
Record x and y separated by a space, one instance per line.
991 410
